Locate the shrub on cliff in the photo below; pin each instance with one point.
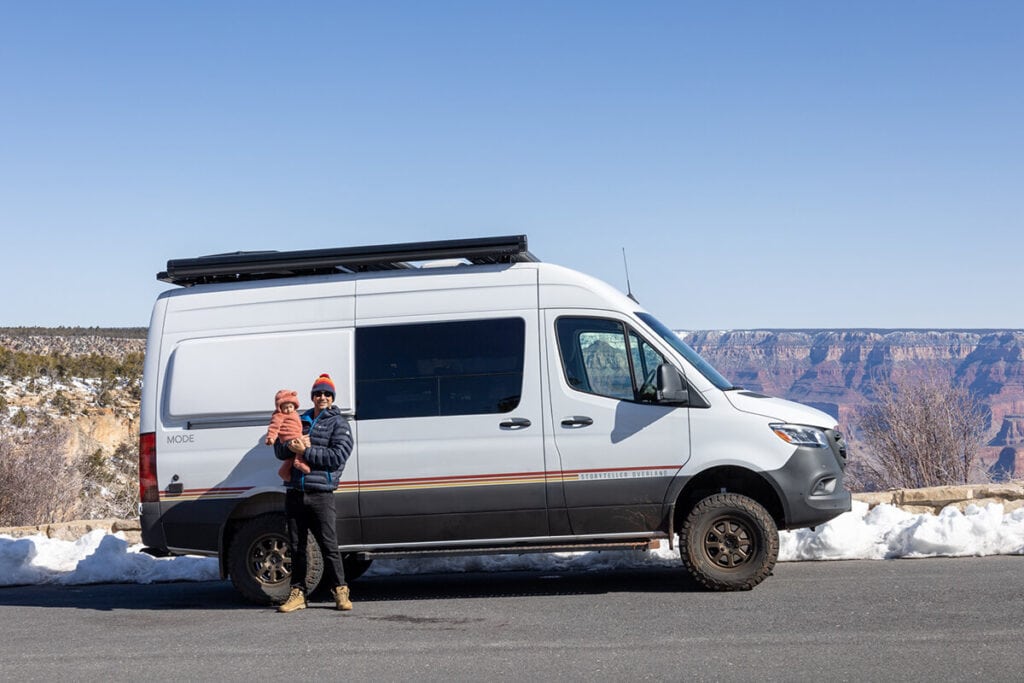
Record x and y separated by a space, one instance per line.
38 483
110 484
18 365
43 480
20 418
925 432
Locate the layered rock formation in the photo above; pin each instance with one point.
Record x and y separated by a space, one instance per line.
834 370
92 424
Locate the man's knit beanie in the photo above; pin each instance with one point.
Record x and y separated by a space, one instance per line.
324 383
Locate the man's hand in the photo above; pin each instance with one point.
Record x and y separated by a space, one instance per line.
298 445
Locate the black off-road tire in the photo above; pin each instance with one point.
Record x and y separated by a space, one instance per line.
260 563
729 542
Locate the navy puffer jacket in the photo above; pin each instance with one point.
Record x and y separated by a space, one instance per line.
330 440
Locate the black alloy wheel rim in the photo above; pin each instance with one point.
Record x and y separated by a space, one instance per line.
730 542
269 559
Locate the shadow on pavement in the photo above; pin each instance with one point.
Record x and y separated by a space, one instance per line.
220 595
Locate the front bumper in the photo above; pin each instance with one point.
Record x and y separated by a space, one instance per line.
811 484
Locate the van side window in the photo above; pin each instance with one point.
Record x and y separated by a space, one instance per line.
646 360
601 357
451 368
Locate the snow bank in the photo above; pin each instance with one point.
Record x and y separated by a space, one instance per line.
887 532
883 532
96 557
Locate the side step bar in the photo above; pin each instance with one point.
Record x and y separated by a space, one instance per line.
644 544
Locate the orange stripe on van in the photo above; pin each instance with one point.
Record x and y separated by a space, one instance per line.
454 481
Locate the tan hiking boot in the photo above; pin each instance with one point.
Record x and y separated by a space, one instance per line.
296 601
341 600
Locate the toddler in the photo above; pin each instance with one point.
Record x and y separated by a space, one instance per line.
285 425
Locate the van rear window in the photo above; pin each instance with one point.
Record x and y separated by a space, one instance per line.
432 369
235 375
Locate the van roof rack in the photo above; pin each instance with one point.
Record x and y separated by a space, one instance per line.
262 265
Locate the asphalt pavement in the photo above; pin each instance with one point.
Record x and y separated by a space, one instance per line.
909 620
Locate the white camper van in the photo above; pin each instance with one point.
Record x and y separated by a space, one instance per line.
498 404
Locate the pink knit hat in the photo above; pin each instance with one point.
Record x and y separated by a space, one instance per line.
286 396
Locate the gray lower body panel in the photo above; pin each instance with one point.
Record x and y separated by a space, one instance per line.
796 482
441 514
617 505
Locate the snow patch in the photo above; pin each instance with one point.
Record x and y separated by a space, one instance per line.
883 532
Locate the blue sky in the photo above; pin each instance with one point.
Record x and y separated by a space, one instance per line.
764 164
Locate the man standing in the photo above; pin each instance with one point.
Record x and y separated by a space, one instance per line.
309 501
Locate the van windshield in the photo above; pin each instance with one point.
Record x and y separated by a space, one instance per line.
689 354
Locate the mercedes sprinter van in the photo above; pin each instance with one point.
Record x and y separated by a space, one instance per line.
498 405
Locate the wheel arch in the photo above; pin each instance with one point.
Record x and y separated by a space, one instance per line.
248 508
730 479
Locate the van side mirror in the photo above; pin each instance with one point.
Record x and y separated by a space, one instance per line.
671 386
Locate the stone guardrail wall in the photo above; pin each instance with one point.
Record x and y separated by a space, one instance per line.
928 500
72 531
933 499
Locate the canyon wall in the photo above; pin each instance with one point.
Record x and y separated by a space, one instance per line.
834 370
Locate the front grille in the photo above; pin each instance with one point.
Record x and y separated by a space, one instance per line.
841 444
835 437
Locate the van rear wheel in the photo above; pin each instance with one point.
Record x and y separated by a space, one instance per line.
729 542
260 563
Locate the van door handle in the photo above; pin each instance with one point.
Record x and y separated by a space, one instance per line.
577 421
515 423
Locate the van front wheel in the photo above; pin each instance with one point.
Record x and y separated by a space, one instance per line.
729 542
260 562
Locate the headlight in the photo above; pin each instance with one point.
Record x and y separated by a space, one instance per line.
800 435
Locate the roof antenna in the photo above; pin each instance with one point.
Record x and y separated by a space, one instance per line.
629 289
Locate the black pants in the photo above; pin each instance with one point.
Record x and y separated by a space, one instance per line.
313 511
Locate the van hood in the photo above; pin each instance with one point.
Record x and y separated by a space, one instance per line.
779 409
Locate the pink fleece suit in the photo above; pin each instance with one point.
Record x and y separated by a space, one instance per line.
285 427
